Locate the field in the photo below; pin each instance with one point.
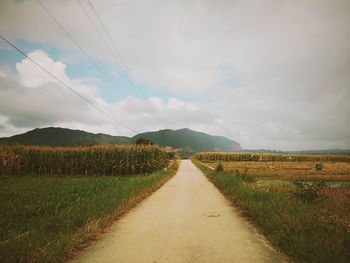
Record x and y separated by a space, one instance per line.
44 219
57 200
332 171
92 160
309 223
267 157
289 169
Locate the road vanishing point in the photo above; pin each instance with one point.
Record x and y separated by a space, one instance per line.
186 220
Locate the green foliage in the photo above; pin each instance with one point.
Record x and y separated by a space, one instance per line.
187 140
190 141
219 168
142 141
309 191
44 219
94 160
244 176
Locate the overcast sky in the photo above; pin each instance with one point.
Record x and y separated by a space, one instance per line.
267 74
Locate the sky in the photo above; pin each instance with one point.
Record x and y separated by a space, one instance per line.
268 74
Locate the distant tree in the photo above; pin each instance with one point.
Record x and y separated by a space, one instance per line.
143 141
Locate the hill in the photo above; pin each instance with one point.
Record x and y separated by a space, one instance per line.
186 140
63 137
189 141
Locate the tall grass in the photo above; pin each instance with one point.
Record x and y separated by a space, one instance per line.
44 219
264 157
306 232
93 160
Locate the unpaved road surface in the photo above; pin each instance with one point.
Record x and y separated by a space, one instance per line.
186 220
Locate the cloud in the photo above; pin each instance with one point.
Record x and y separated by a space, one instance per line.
156 101
174 103
31 99
3 74
32 76
269 75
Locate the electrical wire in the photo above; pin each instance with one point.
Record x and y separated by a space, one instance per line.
66 85
116 49
79 47
105 43
107 46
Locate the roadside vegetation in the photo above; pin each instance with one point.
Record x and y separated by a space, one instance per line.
307 221
44 219
50 208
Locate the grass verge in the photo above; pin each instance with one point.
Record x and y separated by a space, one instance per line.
306 232
45 219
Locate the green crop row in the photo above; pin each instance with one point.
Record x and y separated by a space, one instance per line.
93 160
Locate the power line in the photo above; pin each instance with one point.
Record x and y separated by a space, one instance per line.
124 64
77 44
107 46
104 41
66 85
115 47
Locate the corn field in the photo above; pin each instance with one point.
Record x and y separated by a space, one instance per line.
263 157
93 160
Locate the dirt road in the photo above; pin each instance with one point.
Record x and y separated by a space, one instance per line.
187 220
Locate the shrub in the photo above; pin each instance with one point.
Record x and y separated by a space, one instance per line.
245 176
219 168
143 141
319 167
309 191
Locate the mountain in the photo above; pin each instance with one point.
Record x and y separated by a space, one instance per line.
189 141
186 141
63 137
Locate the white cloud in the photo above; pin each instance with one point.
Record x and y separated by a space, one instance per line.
30 100
174 103
156 101
276 73
219 121
191 106
32 76
3 74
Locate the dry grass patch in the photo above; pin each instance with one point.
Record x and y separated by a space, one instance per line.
332 171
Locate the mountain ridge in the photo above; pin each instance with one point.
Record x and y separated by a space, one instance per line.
185 140
56 136
70 137
191 141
